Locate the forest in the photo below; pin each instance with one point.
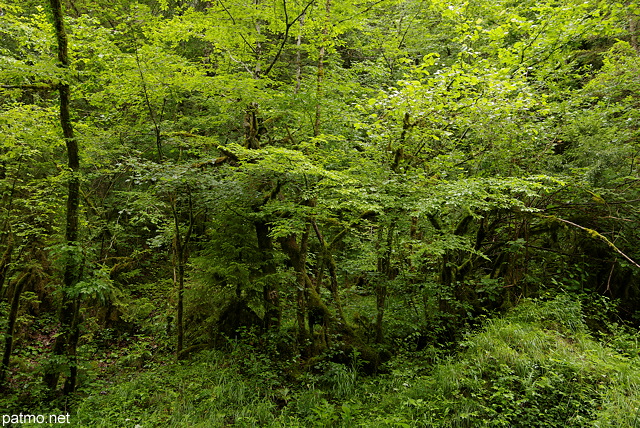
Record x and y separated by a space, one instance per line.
320 213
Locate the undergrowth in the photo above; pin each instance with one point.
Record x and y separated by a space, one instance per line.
536 367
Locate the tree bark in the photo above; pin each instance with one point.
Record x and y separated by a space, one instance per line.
634 31
298 63
64 344
6 237
321 59
156 119
181 256
327 257
13 315
317 311
384 274
273 312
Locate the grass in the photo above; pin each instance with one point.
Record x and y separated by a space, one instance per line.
535 367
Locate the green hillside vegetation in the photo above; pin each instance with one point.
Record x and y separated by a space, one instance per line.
537 366
320 212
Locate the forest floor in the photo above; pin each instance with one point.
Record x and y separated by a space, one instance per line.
539 365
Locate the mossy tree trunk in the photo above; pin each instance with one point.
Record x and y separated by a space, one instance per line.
13 316
310 301
273 312
634 29
180 258
66 341
385 273
329 261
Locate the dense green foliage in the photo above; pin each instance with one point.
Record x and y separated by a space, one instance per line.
292 213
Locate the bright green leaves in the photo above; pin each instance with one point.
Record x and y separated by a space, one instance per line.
98 287
30 184
618 80
534 35
483 195
26 51
456 119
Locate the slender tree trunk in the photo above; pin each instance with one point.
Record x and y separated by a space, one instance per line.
273 312
321 60
72 348
252 128
13 315
181 257
180 309
258 49
297 256
385 274
327 258
634 30
298 63
7 236
157 131
300 308
5 262
64 345
317 311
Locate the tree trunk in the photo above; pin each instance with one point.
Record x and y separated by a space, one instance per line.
298 63
155 119
317 311
13 315
385 274
634 26
180 259
180 309
321 59
6 238
327 258
5 262
64 345
634 30
72 347
273 312
252 127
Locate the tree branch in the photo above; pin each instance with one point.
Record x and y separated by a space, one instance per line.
288 26
595 234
